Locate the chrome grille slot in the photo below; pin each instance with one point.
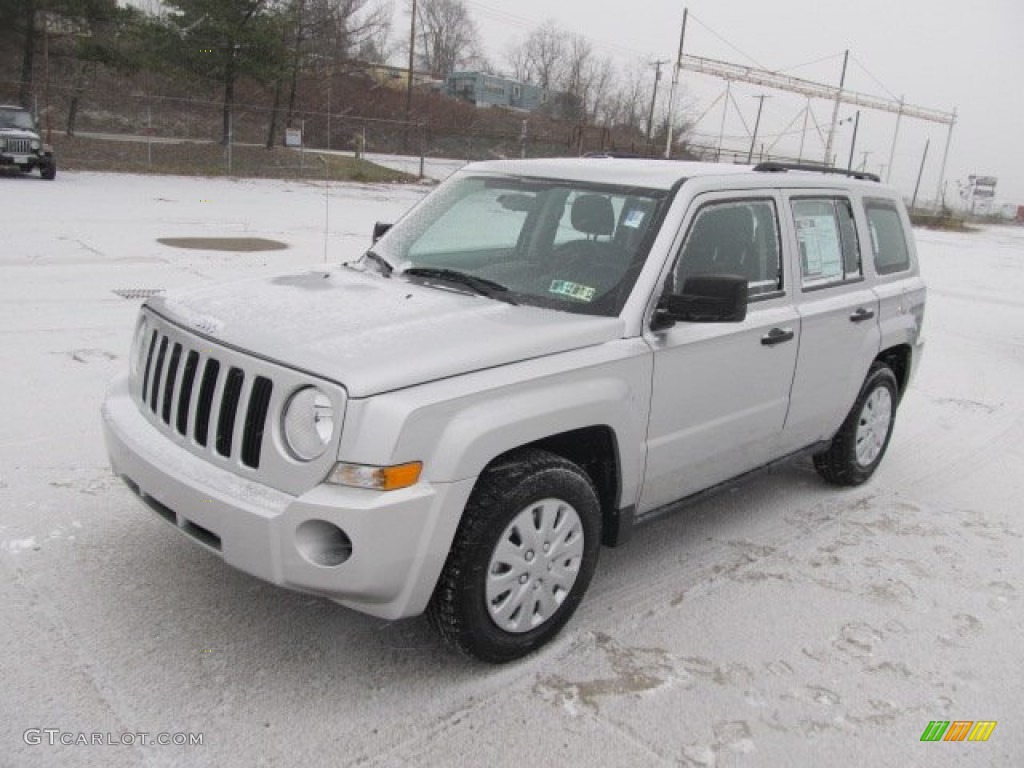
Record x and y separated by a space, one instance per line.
172 374
228 409
255 420
205 406
19 146
221 404
188 378
154 392
149 365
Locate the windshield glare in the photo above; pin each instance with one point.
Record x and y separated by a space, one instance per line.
16 118
559 244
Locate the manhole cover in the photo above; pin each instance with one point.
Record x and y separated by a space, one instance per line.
238 244
137 293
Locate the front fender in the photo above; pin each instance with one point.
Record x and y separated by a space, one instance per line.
456 427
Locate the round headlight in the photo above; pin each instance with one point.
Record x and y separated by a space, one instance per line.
35 144
138 350
308 423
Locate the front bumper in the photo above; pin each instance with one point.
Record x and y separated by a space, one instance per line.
399 539
29 161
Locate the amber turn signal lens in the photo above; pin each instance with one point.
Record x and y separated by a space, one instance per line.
376 478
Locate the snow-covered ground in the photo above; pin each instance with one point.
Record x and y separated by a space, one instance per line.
780 623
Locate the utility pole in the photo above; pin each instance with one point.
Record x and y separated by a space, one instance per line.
330 82
853 141
920 171
46 88
757 123
654 98
408 89
721 127
803 131
942 168
892 149
675 83
835 111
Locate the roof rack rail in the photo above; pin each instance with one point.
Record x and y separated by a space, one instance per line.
782 167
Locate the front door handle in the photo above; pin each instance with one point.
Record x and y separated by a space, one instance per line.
777 336
861 315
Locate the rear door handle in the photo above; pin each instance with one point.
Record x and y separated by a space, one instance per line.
777 336
861 315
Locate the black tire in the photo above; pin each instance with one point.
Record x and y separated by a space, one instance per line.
508 498
49 171
859 445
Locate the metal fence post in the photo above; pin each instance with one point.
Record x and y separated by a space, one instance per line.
422 147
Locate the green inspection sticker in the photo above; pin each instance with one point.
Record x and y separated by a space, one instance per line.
572 290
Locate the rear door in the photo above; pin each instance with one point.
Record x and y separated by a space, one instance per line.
721 390
838 315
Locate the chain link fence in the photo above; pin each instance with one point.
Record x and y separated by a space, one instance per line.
145 130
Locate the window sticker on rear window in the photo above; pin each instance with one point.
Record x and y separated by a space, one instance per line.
819 245
572 290
633 219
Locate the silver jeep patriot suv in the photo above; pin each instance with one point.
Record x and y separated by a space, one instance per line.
539 355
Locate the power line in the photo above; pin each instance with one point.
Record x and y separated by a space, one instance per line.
878 82
740 52
830 57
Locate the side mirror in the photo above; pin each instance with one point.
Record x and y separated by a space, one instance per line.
517 202
705 299
380 229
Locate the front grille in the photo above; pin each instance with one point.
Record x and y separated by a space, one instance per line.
174 366
223 405
19 146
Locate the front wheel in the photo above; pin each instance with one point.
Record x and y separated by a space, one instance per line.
523 556
49 171
859 445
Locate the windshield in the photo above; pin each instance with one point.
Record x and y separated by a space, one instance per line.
560 244
16 118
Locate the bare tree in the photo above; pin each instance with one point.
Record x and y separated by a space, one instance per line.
542 56
625 106
325 34
576 74
338 30
602 83
448 36
518 61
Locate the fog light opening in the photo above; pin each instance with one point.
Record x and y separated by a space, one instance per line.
323 543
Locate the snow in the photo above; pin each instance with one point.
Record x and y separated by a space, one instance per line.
781 622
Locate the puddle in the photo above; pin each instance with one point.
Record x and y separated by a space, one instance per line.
237 244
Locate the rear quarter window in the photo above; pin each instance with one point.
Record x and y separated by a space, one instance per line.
888 238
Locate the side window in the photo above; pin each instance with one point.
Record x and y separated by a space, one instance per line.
827 238
888 240
734 238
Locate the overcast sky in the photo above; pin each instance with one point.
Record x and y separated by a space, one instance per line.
938 54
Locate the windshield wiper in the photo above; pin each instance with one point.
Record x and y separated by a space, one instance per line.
481 285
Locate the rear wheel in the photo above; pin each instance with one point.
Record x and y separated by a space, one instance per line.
523 556
858 447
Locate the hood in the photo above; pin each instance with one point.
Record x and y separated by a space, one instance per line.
374 334
19 133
